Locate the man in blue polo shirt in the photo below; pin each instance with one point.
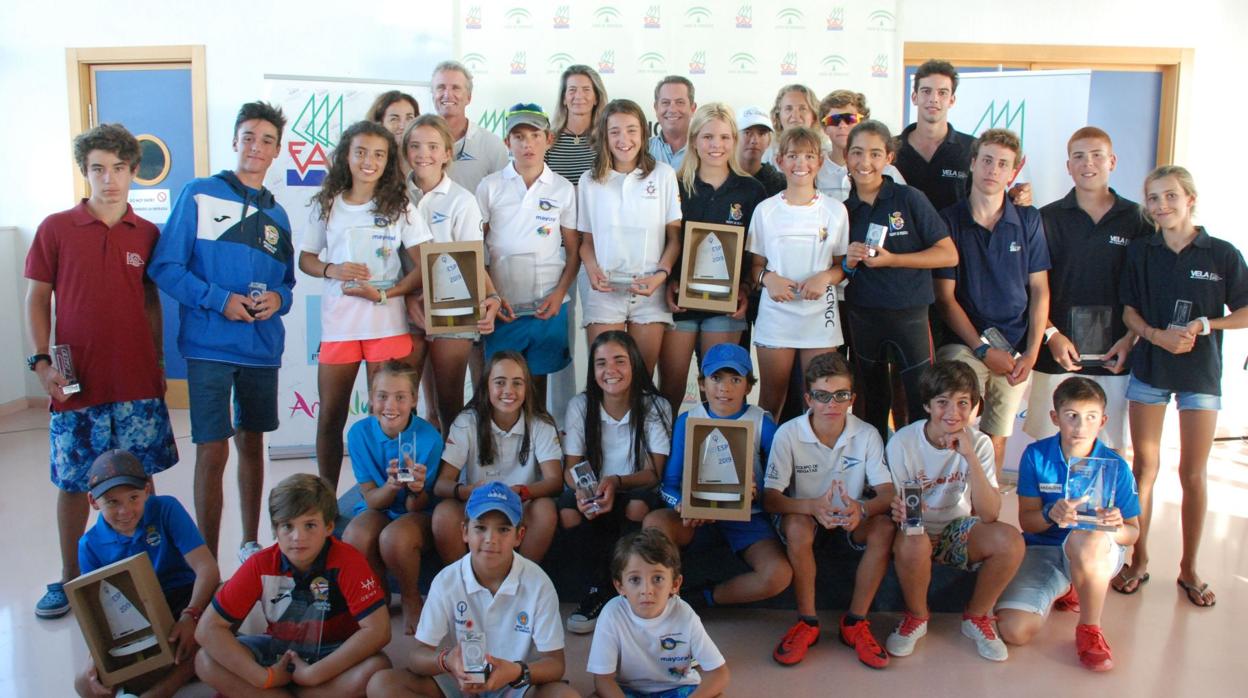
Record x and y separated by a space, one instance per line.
1000 288
673 107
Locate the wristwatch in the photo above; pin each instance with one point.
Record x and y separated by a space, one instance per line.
981 351
524 679
33 360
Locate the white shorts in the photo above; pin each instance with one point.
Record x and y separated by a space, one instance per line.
1039 426
620 307
1044 575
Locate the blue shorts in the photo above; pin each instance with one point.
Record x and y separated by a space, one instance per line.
742 534
267 649
210 383
1044 575
78 437
707 322
677 692
1143 393
544 343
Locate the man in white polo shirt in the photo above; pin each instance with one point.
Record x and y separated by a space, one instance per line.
493 595
477 151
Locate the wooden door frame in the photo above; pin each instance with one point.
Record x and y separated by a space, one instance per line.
78 62
1175 65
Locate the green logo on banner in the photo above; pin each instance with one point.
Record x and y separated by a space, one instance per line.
790 18
881 20
518 62
879 68
698 18
563 17
476 63
472 20
558 61
1003 118
745 17
517 18
742 63
606 64
834 64
788 64
651 19
316 119
697 63
651 62
607 17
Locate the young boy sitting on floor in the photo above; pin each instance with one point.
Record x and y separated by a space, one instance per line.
326 613
133 520
1071 567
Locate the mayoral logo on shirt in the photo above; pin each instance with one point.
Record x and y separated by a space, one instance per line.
270 238
152 537
735 213
522 623
380 221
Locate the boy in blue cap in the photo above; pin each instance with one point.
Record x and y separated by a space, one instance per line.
727 376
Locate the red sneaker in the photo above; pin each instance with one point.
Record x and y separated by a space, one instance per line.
1068 601
793 646
1093 650
859 637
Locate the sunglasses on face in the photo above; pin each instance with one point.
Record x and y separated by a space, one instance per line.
823 397
838 119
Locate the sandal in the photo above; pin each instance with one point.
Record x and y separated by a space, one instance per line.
1197 594
1120 582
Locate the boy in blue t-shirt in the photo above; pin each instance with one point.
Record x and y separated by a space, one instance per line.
1070 566
132 521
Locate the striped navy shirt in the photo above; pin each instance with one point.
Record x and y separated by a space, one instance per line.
568 158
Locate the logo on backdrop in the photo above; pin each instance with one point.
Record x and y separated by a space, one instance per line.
788 64
558 62
879 68
1003 118
651 62
698 17
834 64
494 121
607 17
320 117
881 21
472 20
563 17
745 17
836 19
606 64
477 63
518 62
651 19
790 18
517 18
697 63
742 63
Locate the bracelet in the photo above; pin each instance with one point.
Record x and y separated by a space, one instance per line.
525 494
442 661
191 611
1204 325
268 678
325 270
382 300
846 268
667 272
1048 333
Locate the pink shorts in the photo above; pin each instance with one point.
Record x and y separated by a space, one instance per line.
354 351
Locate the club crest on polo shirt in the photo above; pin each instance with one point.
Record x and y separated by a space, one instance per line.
271 237
1119 240
896 221
320 593
848 462
735 213
546 204
651 189
522 623
152 537
1015 247
134 260
435 217
1199 275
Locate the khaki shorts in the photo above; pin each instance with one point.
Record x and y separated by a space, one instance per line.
1001 400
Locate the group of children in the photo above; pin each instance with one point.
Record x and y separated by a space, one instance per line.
490 484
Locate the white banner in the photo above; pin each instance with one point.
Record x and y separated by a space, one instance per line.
317 112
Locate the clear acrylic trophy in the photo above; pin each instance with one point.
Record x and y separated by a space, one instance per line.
876 234
448 286
516 279
126 623
473 653
407 451
717 467
586 484
1091 329
303 611
995 339
371 246
710 268
255 293
797 257
912 503
1182 315
1091 483
838 498
627 259
63 362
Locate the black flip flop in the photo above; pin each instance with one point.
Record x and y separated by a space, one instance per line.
1139 582
1199 591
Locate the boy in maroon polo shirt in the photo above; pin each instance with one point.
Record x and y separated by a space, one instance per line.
93 259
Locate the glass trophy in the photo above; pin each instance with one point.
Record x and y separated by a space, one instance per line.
255 293
716 466
1091 483
1091 329
63 362
586 484
371 246
126 623
839 500
407 451
473 653
448 286
627 259
710 275
301 613
995 339
912 503
876 234
516 278
1182 315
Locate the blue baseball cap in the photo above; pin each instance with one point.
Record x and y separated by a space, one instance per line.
494 496
727 355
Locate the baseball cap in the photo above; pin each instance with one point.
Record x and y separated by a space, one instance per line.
528 115
494 496
753 116
113 468
727 355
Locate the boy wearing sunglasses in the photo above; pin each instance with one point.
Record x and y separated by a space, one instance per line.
953 463
841 111
820 463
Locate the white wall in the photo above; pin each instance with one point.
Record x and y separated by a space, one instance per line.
402 40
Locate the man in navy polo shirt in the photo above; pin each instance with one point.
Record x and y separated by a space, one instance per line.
1087 232
1000 286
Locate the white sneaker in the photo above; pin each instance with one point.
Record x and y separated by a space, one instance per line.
248 549
901 641
987 642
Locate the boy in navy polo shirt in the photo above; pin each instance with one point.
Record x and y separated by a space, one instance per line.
326 613
1000 286
1087 231
1071 567
132 521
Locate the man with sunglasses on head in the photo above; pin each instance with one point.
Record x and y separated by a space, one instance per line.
817 473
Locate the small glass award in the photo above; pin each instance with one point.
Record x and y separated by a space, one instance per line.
586 484
1091 329
371 246
627 257
1091 482
407 451
303 610
838 498
255 293
876 234
63 362
995 339
449 287
126 623
912 503
473 653
711 276
516 279
717 467
1182 315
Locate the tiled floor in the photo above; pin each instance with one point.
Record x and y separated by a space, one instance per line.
1163 645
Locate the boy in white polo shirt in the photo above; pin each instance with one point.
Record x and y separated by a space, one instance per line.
491 591
961 504
819 465
532 247
648 638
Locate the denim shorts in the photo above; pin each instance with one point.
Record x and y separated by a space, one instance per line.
1044 575
267 649
78 437
210 384
698 322
1145 394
